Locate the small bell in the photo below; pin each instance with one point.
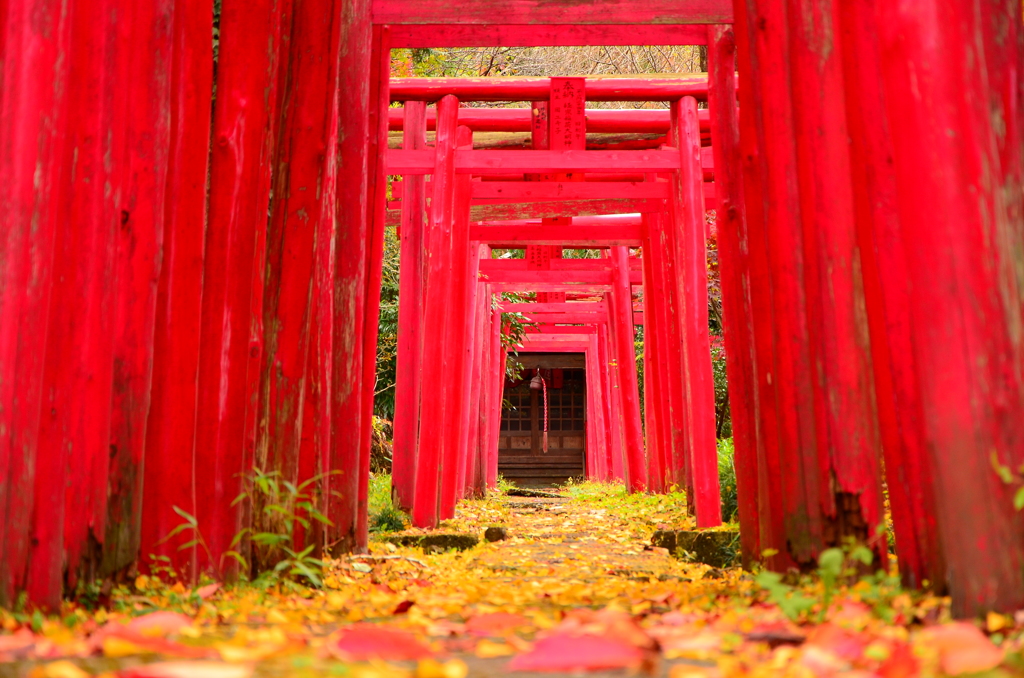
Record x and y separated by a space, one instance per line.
537 383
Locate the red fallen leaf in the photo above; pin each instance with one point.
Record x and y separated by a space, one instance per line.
838 641
901 663
423 583
363 642
157 624
384 588
563 652
612 624
495 623
207 591
403 607
187 670
963 648
17 644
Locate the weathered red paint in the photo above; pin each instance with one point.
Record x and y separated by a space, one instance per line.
964 307
288 305
137 266
621 319
170 461
656 121
886 289
554 35
410 309
454 288
525 13
231 340
687 215
734 265
350 250
34 108
436 318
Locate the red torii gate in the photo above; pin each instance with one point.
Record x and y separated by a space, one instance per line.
871 289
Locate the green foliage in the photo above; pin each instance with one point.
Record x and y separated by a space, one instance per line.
504 485
384 516
283 506
723 415
836 567
727 479
387 329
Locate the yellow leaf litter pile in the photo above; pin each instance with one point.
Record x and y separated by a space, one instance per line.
575 587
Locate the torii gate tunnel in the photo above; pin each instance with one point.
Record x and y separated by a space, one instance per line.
184 297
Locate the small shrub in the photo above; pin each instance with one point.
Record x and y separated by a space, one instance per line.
383 515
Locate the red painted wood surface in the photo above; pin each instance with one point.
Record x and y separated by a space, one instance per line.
662 361
502 162
288 304
772 204
496 390
599 120
35 43
170 461
539 89
529 12
653 418
436 318
457 288
351 251
137 270
964 299
562 192
848 445
379 77
734 265
620 313
597 441
410 309
887 291
433 36
230 345
578 236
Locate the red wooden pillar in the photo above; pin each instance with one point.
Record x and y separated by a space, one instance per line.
137 270
665 312
231 341
772 203
654 388
457 344
620 315
291 253
734 265
609 384
170 462
380 76
470 358
964 298
436 317
687 201
887 290
597 442
496 392
846 426
471 483
751 51
410 309
351 250
33 133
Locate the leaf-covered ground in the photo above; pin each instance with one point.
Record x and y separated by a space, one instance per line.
576 586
